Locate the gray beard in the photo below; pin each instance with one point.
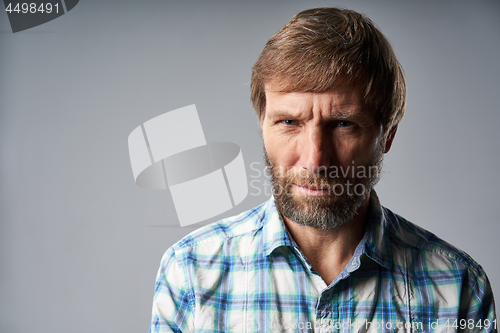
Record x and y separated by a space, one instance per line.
319 212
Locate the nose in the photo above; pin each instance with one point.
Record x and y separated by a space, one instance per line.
317 150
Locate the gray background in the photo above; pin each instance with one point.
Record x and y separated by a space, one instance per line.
80 243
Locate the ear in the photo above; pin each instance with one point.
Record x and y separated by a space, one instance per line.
390 138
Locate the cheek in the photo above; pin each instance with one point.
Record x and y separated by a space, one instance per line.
366 150
360 150
281 152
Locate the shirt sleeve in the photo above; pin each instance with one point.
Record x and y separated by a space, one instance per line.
172 302
477 305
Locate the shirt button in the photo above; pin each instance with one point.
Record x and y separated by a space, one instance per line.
328 296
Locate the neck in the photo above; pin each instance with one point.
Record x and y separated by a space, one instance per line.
329 251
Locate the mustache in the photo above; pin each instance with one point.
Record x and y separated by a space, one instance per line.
314 181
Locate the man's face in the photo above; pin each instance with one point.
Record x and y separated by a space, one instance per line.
324 151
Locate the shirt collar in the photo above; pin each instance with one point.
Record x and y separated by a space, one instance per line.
375 244
273 230
378 243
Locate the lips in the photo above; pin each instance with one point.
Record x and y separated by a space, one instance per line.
318 187
311 190
314 188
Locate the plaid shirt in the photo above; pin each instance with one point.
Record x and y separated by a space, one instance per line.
246 274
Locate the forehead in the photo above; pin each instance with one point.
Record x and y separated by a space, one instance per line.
335 102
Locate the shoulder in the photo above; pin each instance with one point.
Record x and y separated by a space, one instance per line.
215 235
423 243
439 272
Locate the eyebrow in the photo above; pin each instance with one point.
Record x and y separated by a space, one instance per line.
357 114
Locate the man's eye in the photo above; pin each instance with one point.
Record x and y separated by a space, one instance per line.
289 122
344 123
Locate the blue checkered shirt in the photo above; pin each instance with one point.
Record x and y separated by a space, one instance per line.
246 274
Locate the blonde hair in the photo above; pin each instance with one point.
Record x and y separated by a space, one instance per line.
322 48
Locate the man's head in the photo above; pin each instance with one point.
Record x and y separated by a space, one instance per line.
329 93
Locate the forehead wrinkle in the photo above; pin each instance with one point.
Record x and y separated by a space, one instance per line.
286 114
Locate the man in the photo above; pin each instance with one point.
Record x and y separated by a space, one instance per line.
322 254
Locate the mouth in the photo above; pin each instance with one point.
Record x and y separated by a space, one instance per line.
315 191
